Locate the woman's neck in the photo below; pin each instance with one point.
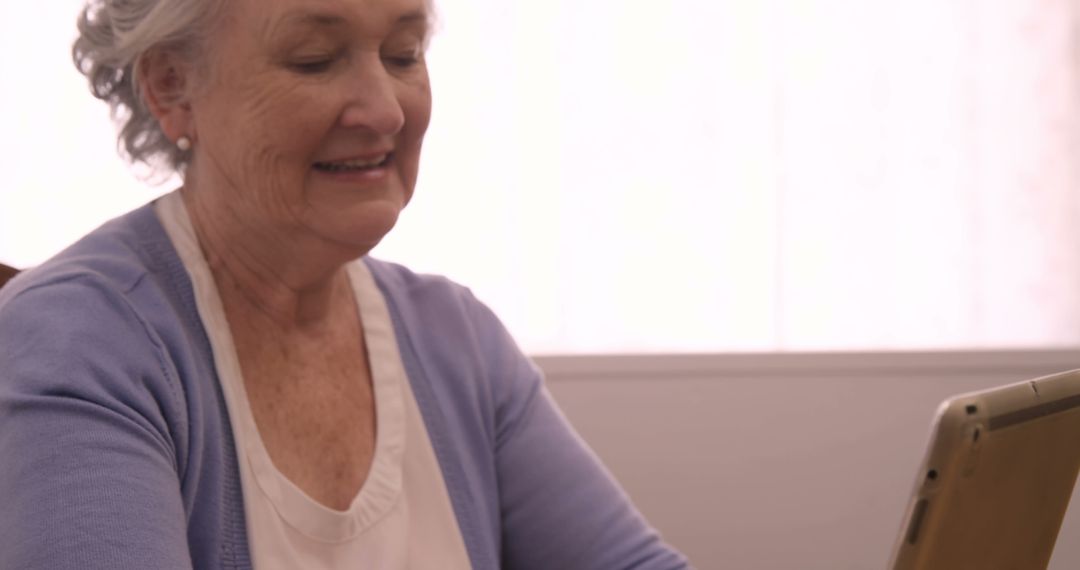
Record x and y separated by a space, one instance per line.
292 279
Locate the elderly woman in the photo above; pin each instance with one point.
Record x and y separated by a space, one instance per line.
223 379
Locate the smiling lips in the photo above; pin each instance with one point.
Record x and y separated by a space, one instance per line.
354 164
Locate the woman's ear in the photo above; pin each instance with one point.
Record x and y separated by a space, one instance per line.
165 82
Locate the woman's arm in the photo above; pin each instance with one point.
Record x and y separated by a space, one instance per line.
560 507
88 408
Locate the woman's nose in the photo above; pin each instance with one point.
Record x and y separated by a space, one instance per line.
372 100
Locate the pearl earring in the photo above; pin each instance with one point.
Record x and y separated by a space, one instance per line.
183 143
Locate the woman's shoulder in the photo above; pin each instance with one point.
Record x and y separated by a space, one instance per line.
430 303
116 256
412 295
399 280
112 293
448 330
100 321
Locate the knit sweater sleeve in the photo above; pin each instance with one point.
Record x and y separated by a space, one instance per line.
560 507
90 412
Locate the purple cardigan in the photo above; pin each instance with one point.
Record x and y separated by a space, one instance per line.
116 449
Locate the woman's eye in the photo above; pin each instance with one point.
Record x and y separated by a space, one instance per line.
408 59
402 61
312 66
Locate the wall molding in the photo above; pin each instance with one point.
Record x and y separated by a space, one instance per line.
560 368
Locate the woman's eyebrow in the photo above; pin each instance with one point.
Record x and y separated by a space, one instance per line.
301 19
416 16
418 20
303 16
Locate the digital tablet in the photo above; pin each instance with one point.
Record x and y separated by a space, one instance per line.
998 474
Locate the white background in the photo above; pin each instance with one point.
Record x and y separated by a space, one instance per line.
692 175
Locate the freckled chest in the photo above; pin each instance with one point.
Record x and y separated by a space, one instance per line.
312 400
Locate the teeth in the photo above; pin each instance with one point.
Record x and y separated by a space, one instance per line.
352 164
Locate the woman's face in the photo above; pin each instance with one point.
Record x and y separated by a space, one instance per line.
312 115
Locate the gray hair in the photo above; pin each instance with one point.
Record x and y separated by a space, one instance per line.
114 35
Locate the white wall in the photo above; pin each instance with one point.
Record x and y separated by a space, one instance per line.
783 174
779 461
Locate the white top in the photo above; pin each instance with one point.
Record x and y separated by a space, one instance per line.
401 517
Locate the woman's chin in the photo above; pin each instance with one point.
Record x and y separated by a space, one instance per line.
360 229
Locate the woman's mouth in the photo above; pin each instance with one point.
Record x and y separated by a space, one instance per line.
354 164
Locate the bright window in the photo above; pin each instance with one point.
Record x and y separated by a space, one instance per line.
691 175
